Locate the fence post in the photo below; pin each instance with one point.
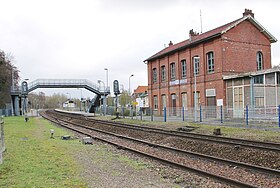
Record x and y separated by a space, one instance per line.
141 114
247 116
123 112
279 116
221 113
164 110
152 114
200 113
183 113
2 146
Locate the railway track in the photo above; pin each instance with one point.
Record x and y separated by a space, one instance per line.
268 146
173 153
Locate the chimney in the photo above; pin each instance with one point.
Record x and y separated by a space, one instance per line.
170 43
248 12
192 34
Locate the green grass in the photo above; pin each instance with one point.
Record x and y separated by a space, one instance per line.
33 159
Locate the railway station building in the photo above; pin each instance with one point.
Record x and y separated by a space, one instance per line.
199 70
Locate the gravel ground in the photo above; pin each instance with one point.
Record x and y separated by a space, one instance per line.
110 171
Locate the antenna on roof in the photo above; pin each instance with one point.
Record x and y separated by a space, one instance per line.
200 21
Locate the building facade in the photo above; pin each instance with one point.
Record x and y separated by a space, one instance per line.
190 73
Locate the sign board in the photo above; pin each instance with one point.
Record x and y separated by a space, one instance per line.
135 103
220 102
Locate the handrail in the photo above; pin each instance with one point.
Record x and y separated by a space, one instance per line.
67 82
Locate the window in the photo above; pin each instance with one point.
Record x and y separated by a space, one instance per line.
163 100
184 68
163 73
184 100
259 101
154 75
258 79
278 78
155 102
259 61
238 97
210 62
172 71
197 98
196 64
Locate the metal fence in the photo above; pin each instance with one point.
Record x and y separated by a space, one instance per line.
5 112
268 118
2 144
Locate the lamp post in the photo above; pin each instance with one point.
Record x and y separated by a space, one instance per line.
81 98
104 101
69 95
196 63
107 78
130 94
129 83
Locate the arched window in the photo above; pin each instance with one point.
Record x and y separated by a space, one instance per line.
196 64
259 61
210 62
154 75
163 73
172 71
184 69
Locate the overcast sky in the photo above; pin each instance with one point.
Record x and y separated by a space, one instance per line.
77 39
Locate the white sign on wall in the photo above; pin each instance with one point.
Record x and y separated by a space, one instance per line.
219 102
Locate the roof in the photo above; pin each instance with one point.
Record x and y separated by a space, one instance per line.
141 89
255 73
210 35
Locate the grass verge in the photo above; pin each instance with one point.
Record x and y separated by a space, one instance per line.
33 159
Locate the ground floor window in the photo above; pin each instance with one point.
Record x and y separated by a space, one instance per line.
259 101
184 100
197 98
155 102
163 101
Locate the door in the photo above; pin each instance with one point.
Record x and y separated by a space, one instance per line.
211 107
238 107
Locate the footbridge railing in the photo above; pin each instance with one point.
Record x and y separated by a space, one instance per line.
68 83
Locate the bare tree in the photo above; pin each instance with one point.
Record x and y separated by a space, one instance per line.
9 76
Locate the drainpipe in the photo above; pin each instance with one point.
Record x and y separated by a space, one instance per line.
252 101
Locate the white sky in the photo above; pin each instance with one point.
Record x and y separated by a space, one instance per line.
77 39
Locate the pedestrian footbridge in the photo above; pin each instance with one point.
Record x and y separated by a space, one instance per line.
68 83
19 96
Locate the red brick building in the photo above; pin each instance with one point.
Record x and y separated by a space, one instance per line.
240 46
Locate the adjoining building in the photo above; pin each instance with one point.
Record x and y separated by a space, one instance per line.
190 73
140 96
258 90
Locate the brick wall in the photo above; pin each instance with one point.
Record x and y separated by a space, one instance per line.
234 52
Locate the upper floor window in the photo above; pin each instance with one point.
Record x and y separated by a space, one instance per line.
258 79
163 73
154 75
210 62
172 71
184 68
259 61
196 64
